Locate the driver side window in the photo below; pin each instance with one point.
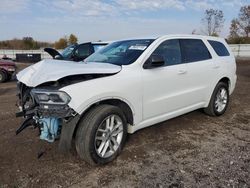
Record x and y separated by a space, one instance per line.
170 51
83 50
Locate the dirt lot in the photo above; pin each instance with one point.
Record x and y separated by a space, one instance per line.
193 150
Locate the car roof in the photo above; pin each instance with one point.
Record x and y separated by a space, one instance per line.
193 36
177 36
102 42
159 37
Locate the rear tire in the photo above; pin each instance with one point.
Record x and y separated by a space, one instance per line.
219 100
101 134
3 76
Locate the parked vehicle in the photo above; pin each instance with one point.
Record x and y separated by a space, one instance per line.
76 52
7 70
124 87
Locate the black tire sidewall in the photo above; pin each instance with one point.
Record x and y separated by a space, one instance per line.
218 87
95 124
9 77
3 77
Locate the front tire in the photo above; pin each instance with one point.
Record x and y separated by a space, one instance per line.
3 76
101 134
219 100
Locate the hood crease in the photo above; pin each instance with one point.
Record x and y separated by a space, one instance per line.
52 70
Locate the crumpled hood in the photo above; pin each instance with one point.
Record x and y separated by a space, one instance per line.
52 70
53 52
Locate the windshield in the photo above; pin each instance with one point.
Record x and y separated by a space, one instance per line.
120 53
68 51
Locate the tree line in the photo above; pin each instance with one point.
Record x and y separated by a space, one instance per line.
28 43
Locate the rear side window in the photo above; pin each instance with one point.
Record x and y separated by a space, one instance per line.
219 48
170 51
194 50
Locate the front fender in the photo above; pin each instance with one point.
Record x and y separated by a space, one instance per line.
124 86
99 98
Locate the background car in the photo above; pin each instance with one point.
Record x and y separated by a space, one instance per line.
7 70
76 52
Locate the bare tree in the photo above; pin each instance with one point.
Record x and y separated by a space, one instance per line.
213 22
244 20
240 27
234 29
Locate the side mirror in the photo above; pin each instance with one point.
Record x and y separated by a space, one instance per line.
154 61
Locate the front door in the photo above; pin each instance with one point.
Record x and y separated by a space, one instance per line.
165 87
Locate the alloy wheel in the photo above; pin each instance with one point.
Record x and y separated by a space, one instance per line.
108 136
221 100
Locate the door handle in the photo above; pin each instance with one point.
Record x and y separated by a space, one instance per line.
182 71
216 66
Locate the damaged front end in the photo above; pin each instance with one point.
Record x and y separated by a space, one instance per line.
46 109
43 104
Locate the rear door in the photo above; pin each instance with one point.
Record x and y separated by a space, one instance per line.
165 87
223 58
200 68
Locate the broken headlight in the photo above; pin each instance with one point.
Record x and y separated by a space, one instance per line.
50 97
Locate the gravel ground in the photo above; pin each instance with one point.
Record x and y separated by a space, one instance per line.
193 150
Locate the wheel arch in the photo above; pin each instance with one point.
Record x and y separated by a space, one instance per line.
69 128
226 80
210 108
122 104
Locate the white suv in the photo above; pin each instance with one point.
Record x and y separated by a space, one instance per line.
126 86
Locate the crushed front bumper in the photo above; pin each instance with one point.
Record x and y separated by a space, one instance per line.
29 107
47 117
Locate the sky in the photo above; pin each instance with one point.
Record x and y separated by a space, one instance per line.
92 20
